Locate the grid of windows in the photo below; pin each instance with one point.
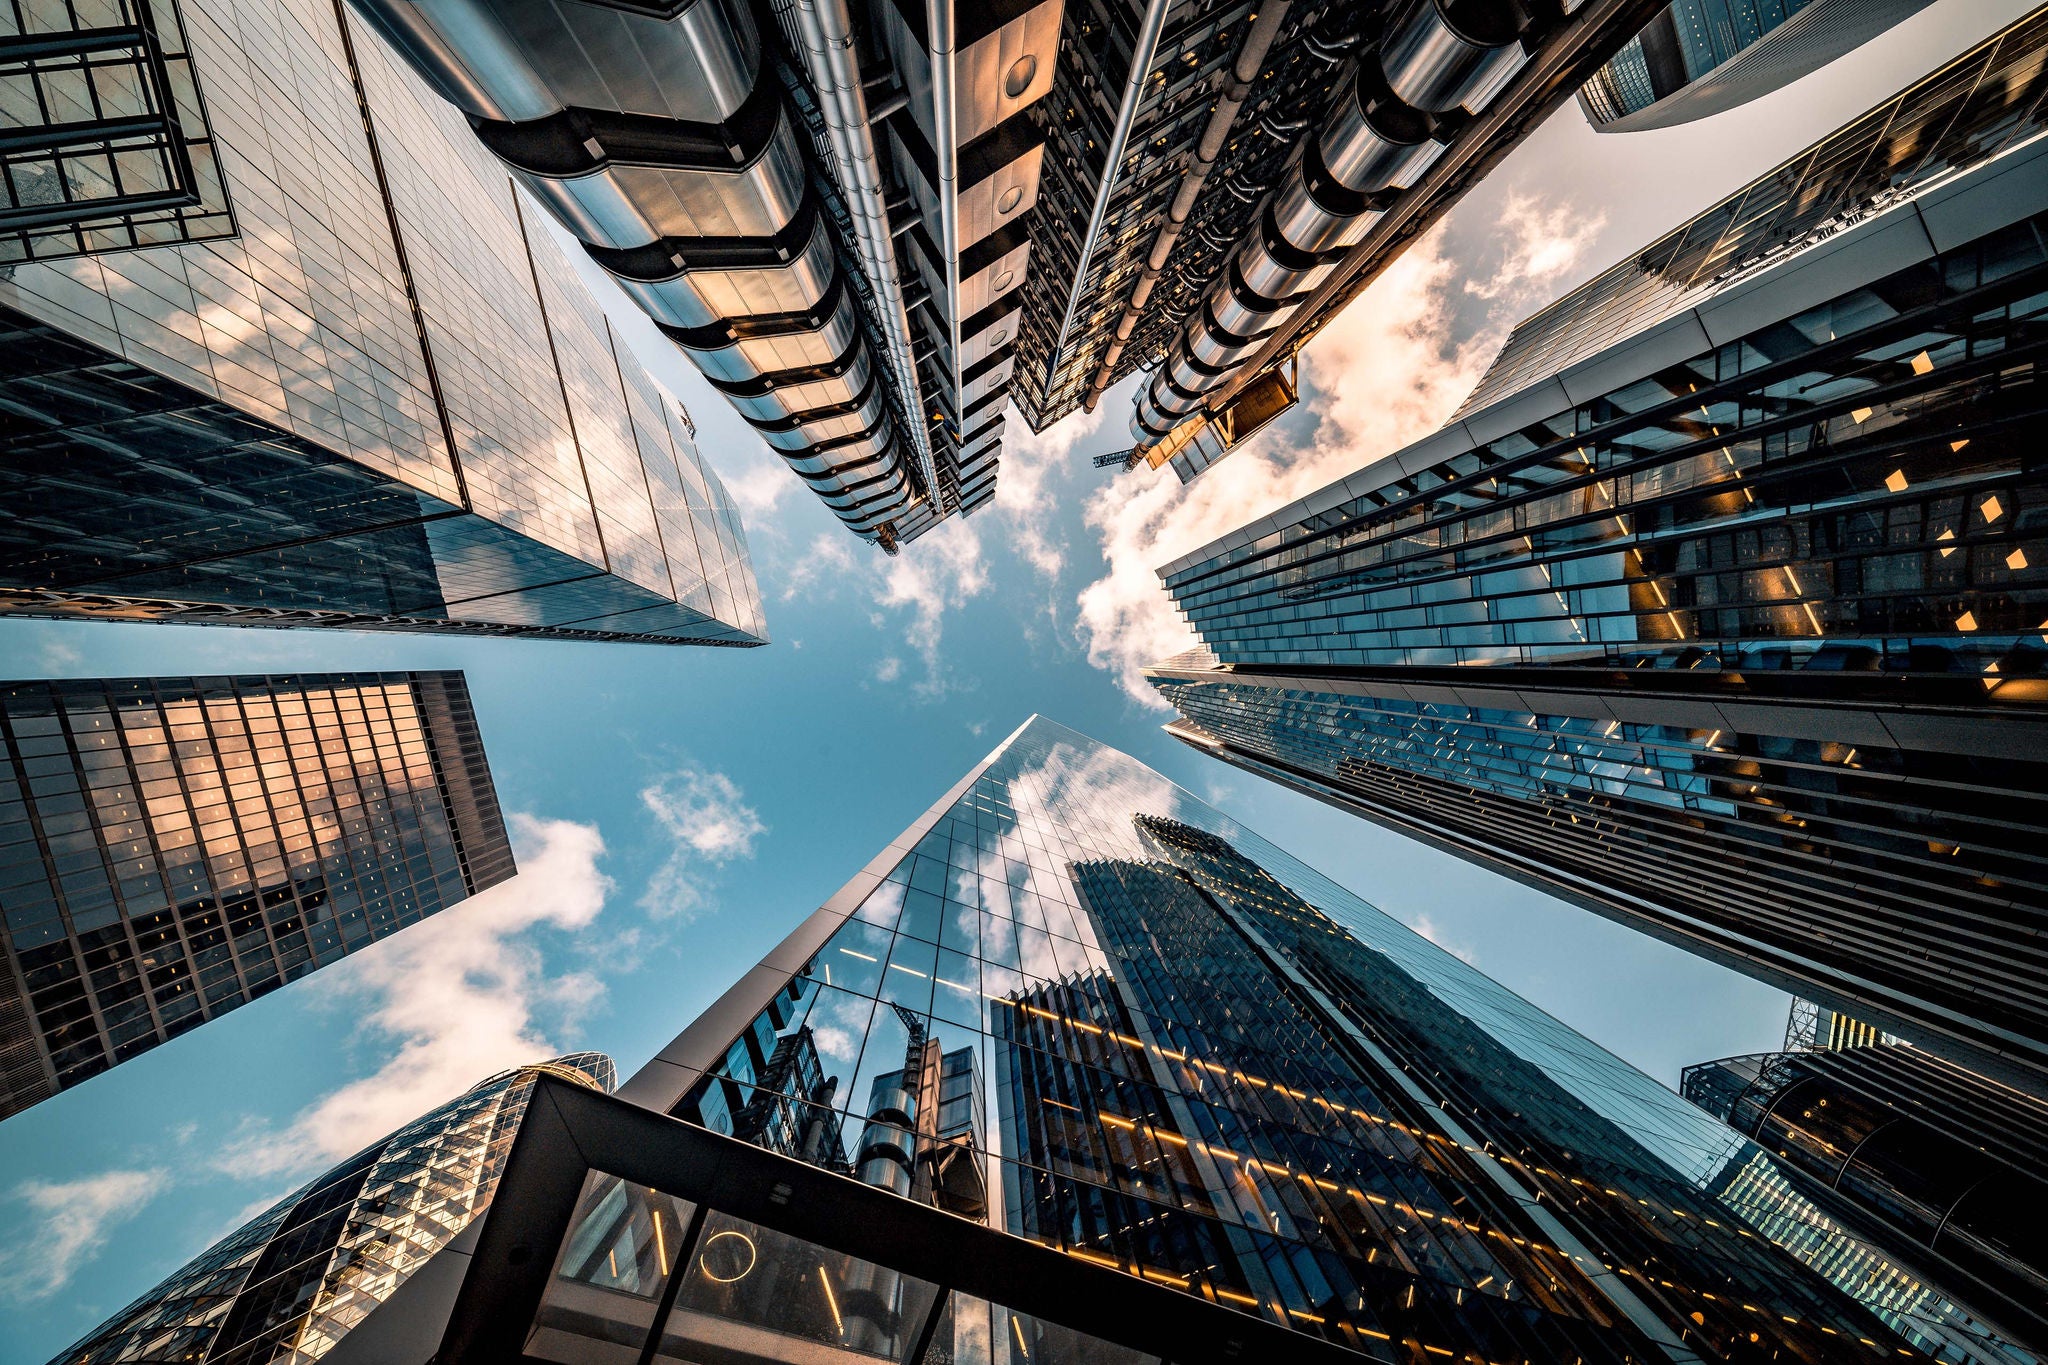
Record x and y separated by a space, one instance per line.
1657 651
172 848
1213 1068
389 404
1856 473
107 146
1861 867
1986 102
284 1288
1942 1159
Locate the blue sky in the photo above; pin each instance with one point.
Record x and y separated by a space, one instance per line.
679 810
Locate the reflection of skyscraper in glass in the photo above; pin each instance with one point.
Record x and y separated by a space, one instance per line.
291 1283
1699 57
1718 607
172 848
1214 1069
1946 1164
1778 1205
387 403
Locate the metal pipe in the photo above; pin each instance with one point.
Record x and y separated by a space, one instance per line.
1250 60
1142 53
1568 57
1371 143
827 31
946 136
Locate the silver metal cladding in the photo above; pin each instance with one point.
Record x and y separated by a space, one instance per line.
656 139
1308 226
828 55
752 353
1442 54
1379 139
700 297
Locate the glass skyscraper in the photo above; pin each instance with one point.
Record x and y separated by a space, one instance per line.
385 402
1235 1110
1700 57
288 1285
1718 608
172 848
107 144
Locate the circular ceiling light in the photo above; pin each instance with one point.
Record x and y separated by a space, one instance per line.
727 1256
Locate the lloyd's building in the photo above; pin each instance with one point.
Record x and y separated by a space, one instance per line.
1721 607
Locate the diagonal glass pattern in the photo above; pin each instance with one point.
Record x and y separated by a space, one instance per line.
1212 1069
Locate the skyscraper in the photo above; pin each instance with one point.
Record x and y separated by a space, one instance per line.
1944 1164
1428 95
1232 1112
108 146
172 848
1700 57
1718 607
289 1284
874 223
827 206
385 402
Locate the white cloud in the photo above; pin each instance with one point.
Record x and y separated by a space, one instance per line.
889 669
942 569
1434 932
1022 493
1386 372
461 993
828 560
72 1220
60 657
707 817
758 490
1543 242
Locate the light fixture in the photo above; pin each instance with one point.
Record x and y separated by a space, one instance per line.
728 1257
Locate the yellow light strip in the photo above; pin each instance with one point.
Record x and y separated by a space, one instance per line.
831 1300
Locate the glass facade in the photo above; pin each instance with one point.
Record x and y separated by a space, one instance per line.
1699 57
1212 1069
107 146
291 1283
1742 647
1985 103
1946 1163
389 403
172 848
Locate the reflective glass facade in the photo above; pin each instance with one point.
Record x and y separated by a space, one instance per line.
1699 57
289 1284
1946 1163
172 848
1731 631
107 146
1212 1069
388 403
1985 103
